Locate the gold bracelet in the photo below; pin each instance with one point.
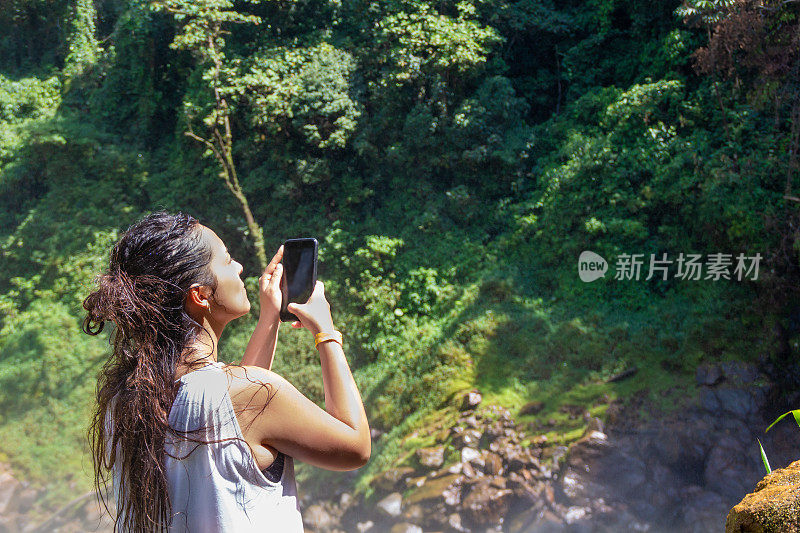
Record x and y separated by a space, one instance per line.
321 337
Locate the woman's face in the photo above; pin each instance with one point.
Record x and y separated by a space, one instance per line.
230 300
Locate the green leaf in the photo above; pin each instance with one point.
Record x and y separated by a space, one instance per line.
795 413
764 458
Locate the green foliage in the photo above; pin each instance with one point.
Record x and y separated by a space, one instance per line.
796 414
46 370
764 458
201 30
304 93
705 11
452 158
424 43
201 24
139 91
83 48
33 35
28 98
22 103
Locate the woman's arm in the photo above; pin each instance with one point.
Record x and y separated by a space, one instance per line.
260 349
336 438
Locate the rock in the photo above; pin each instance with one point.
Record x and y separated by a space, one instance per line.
468 470
684 446
548 522
594 463
414 513
416 481
391 479
557 453
518 459
316 517
774 506
391 505
432 491
10 523
592 446
531 408
485 505
455 468
594 424
734 401
498 482
500 445
452 495
454 521
630 475
538 442
573 411
471 455
664 487
492 433
345 500
8 488
708 374
523 490
365 526
625 374
431 457
727 468
23 500
523 518
472 422
739 372
709 401
576 514
702 510
577 488
493 463
405 527
466 437
471 400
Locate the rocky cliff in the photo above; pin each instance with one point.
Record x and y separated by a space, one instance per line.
486 473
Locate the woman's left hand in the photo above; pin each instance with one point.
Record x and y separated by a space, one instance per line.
270 288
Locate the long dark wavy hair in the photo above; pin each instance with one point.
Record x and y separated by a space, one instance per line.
143 292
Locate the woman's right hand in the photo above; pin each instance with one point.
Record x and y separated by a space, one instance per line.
315 315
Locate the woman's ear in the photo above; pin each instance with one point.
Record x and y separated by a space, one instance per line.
197 298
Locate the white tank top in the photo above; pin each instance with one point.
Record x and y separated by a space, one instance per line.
218 487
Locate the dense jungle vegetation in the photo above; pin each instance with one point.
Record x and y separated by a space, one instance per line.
453 158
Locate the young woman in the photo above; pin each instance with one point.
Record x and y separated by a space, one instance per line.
194 444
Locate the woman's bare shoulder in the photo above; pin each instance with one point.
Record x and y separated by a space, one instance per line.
245 377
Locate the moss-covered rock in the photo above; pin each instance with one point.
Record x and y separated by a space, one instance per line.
774 507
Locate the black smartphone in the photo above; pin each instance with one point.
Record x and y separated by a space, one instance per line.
299 273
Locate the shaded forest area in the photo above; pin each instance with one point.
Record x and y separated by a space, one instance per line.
453 159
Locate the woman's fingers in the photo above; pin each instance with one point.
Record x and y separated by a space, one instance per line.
275 278
267 275
319 289
274 261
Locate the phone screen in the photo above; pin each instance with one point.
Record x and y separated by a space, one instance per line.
299 273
